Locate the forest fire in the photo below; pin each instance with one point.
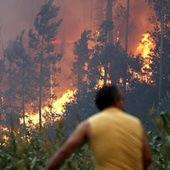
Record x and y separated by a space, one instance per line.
58 105
56 108
64 36
144 50
55 56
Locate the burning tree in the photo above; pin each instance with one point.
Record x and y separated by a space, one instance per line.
109 57
97 63
40 41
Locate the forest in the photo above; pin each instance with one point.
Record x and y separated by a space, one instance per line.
39 110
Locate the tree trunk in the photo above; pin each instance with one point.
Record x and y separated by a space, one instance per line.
23 98
40 85
161 54
126 43
109 34
127 26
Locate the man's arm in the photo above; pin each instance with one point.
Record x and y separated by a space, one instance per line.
147 157
78 137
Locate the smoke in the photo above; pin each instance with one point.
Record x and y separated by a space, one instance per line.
16 15
75 14
139 13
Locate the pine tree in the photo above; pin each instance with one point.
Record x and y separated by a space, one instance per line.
40 41
161 53
18 79
82 54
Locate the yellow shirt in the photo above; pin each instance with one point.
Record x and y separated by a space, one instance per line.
116 140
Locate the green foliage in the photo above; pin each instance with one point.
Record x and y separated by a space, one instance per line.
81 159
34 153
160 35
17 153
27 155
160 144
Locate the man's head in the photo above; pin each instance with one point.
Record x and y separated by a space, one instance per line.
109 96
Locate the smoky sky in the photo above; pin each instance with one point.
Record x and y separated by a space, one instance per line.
18 15
77 15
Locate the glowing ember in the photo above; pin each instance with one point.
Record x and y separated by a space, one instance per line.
102 81
118 36
99 84
3 135
102 71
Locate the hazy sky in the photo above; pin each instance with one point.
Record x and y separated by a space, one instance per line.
16 15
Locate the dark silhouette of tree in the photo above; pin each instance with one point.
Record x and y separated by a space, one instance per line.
18 79
40 41
80 77
161 53
92 68
108 57
82 54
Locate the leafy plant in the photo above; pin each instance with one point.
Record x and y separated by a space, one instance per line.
160 144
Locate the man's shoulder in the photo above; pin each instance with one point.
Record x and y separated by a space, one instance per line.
113 113
95 115
133 121
131 117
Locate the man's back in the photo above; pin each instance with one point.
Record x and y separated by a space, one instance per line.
116 140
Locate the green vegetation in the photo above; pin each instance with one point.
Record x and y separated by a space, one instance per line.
16 153
160 144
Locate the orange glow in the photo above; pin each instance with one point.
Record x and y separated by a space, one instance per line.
99 84
118 36
58 40
144 49
102 71
71 41
4 136
101 81
57 107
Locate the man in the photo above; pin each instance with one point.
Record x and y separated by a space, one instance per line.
117 140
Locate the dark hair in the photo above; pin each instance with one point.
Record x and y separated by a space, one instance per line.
106 96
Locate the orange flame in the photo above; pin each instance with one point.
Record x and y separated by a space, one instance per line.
144 50
57 107
101 81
